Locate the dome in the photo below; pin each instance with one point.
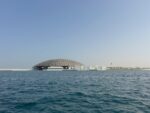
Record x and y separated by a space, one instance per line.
65 63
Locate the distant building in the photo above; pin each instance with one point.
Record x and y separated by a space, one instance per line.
58 64
97 68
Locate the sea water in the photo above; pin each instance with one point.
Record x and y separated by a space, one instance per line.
75 92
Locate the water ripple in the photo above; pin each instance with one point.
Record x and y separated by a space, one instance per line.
75 92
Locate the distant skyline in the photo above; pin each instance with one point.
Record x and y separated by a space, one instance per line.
94 32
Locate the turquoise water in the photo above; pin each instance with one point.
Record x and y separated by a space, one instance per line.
75 92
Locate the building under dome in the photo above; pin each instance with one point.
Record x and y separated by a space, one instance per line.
58 64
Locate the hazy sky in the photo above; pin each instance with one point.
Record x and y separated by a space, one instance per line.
89 31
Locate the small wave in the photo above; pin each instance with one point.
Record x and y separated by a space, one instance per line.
78 94
26 105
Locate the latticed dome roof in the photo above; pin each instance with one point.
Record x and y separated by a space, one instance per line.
59 63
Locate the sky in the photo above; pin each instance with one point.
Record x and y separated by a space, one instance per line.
94 32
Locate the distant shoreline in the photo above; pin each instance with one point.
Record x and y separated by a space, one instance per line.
15 69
